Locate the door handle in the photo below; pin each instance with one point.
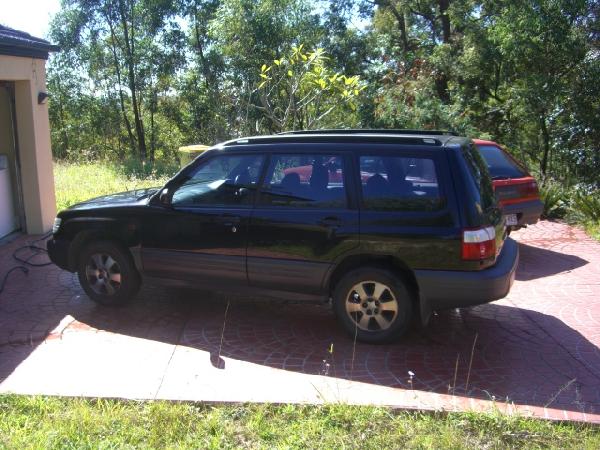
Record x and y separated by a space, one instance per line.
228 220
330 222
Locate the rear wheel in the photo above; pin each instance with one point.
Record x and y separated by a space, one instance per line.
107 273
373 304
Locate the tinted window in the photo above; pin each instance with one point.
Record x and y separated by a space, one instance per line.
393 183
305 181
480 176
223 180
500 164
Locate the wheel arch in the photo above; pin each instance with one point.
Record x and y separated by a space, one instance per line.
124 234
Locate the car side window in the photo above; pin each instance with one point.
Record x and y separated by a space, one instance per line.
221 181
305 181
396 183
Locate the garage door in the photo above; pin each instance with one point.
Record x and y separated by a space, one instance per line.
7 211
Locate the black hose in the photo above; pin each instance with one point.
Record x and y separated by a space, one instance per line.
36 252
23 269
27 260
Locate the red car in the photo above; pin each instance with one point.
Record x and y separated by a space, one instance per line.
515 188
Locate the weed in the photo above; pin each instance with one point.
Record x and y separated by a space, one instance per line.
471 362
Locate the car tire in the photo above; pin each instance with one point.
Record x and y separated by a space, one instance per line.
107 273
373 305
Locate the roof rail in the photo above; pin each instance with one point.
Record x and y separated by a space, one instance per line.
374 131
336 138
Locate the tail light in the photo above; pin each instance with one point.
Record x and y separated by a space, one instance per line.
529 189
515 191
479 244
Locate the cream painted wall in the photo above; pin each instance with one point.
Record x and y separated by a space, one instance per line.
33 132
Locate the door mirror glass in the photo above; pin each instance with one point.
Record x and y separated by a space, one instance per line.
164 197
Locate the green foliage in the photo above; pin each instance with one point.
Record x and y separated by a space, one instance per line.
299 91
555 199
587 206
56 423
117 62
592 229
409 101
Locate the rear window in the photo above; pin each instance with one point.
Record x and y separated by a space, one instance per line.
500 165
480 176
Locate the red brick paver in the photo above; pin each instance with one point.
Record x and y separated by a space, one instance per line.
535 352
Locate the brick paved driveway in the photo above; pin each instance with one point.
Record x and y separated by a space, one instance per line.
540 346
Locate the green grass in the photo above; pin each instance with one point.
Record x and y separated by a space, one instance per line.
59 423
592 229
76 182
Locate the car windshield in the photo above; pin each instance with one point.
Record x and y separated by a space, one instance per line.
500 165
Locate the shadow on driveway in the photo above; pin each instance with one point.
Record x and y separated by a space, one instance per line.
536 262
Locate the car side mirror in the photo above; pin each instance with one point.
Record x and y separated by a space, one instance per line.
164 197
241 193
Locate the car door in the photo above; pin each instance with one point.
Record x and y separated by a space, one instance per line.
202 235
303 221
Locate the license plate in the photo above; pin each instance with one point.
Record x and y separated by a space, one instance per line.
511 219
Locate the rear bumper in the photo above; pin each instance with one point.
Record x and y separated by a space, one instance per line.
456 289
528 212
58 251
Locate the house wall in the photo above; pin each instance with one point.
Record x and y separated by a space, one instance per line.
33 137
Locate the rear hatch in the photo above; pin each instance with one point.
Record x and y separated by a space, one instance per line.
511 180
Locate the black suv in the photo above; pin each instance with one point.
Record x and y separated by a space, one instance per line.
389 225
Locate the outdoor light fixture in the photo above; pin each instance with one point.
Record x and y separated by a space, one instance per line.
42 97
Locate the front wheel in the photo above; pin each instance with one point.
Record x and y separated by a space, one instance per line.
373 304
107 273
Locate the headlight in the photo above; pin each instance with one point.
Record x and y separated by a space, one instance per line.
56 225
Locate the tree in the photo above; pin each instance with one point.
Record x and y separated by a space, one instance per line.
298 91
123 47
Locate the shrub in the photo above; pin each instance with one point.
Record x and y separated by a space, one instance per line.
587 206
555 199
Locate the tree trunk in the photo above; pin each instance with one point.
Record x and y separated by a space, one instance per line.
546 144
153 108
399 15
129 50
441 81
132 143
444 5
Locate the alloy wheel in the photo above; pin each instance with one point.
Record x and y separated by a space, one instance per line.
103 274
372 306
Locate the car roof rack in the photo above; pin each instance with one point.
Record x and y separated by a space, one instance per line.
340 138
373 131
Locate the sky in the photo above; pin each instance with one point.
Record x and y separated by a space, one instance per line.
31 16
